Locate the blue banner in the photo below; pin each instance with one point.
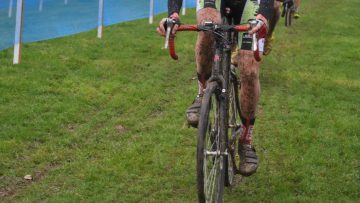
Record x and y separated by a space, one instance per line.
46 19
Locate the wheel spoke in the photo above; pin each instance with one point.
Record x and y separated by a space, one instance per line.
234 122
212 179
211 169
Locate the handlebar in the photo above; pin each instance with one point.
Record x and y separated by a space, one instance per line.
170 39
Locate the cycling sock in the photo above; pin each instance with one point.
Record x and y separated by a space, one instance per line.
247 121
202 78
246 130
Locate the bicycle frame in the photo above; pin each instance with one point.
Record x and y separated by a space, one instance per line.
221 61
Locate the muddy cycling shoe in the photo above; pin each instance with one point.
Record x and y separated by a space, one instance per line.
193 112
248 159
268 45
296 15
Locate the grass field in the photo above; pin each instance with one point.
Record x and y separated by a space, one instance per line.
103 120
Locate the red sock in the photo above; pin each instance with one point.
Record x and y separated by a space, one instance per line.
246 130
202 78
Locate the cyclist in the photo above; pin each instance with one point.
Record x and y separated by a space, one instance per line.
208 10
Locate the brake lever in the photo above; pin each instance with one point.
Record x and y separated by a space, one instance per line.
255 46
253 24
169 25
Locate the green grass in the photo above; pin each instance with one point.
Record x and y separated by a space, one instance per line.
103 120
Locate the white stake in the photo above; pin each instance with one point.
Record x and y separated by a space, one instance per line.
151 16
184 8
18 31
10 8
41 5
101 19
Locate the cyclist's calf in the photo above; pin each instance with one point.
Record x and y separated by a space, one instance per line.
204 46
249 67
250 83
204 52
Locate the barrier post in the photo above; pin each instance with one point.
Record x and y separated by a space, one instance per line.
101 19
65 2
10 8
184 8
151 16
18 31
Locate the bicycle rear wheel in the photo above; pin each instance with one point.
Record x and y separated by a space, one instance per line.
234 124
288 16
210 148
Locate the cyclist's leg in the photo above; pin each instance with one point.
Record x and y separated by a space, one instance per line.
204 54
297 5
275 18
204 44
272 23
250 92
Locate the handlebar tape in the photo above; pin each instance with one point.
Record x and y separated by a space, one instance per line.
172 48
239 28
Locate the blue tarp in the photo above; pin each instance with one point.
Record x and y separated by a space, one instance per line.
46 19
7 23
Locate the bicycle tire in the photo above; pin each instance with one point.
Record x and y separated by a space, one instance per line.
288 16
210 168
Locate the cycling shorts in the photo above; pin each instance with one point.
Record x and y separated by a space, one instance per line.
245 10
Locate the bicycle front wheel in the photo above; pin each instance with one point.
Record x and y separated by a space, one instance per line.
210 148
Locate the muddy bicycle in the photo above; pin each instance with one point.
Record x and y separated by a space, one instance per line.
219 122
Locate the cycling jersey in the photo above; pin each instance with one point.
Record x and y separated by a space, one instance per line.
242 11
265 6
